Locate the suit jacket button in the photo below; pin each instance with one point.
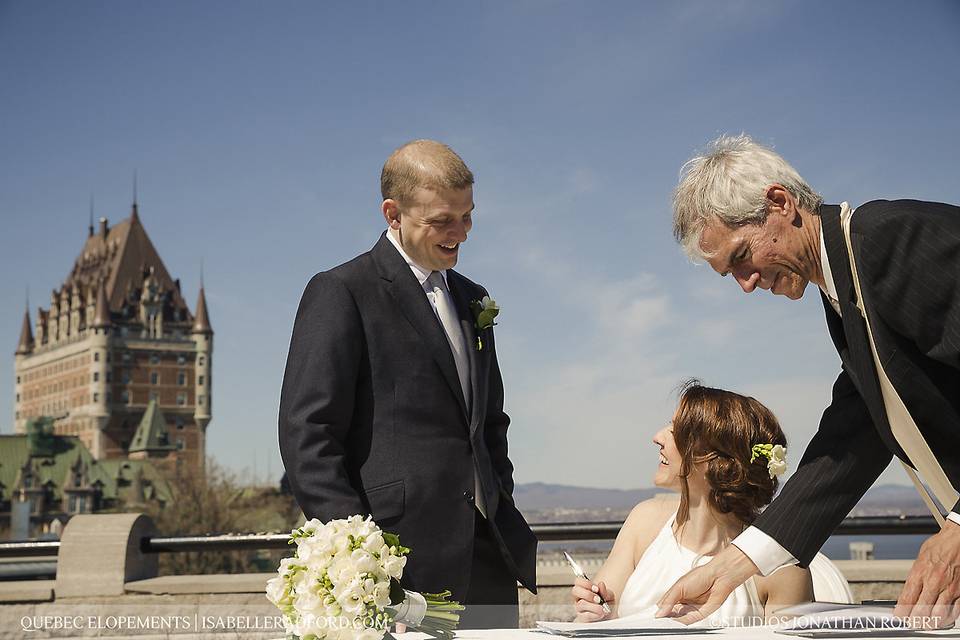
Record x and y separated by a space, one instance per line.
468 496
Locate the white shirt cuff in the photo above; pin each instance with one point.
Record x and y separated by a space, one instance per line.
953 515
764 551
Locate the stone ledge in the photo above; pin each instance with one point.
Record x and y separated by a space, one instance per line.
26 591
874 570
214 583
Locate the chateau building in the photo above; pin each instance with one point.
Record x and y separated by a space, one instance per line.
116 349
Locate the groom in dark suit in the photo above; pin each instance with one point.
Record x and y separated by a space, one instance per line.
748 213
392 400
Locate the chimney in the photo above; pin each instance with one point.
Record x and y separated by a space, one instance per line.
103 228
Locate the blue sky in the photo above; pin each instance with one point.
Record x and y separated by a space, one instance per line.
258 131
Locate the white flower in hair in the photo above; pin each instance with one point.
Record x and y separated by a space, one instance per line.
778 460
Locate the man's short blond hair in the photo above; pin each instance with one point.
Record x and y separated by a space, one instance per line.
422 163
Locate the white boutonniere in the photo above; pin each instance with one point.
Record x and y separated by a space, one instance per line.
484 312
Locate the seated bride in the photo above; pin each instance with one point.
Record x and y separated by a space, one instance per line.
720 453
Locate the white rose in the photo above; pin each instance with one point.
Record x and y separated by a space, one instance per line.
381 594
276 589
374 542
307 600
394 565
778 460
489 303
350 597
363 561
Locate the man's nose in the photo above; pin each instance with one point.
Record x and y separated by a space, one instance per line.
748 282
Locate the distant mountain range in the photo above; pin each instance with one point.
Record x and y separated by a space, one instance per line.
540 496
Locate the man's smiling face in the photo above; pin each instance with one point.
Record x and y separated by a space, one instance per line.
770 255
433 224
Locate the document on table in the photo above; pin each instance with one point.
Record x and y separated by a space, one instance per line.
638 625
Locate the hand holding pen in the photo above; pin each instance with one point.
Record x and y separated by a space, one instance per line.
591 600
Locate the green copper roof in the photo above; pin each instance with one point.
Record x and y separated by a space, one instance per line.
55 469
152 434
53 459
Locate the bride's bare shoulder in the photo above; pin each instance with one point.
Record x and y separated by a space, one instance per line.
647 518
658 508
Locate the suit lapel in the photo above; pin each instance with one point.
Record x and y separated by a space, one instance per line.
854 341
460 296
413 304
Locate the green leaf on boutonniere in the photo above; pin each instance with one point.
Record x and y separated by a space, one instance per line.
484 312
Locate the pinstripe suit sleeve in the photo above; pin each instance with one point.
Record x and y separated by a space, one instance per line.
841 462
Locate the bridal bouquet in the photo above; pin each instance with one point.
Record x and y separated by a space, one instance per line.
342 583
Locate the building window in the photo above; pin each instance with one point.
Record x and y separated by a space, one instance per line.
108 397
200 400
18 397
125 397
96 397
200 360
179 424
154 358
96 376
180 445
182 378
200 380
181 358
109 376
181 399
154 377
126 356
96 356
125 377
18 379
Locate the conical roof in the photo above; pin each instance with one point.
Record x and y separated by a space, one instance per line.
201 322
101 318
152 434
26 335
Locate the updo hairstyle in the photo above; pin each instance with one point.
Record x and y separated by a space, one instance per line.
719 428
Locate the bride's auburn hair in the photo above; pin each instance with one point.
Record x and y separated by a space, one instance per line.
719 428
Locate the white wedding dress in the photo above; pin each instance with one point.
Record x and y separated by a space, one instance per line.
662 564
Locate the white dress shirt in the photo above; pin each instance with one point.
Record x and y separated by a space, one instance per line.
764 551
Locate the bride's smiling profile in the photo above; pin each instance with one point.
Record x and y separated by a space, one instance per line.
722 452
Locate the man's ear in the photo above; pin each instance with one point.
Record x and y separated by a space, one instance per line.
780 201
391 213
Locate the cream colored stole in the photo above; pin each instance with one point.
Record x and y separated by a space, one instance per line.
905 430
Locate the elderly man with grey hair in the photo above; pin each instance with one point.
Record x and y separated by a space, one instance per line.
893 313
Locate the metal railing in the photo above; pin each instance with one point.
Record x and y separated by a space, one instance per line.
545 532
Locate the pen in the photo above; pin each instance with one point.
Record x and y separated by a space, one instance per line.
578 571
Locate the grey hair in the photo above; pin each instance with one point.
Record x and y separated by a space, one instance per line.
729 182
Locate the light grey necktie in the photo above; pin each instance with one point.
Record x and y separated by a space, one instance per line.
451 326
440 297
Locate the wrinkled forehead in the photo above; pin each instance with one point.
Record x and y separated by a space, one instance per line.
716 241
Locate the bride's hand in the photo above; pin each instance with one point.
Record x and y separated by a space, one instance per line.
585 595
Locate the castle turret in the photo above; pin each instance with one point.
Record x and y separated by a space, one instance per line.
24 349
99 340
203 338
25 345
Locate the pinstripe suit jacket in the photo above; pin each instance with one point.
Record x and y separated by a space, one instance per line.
908 259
